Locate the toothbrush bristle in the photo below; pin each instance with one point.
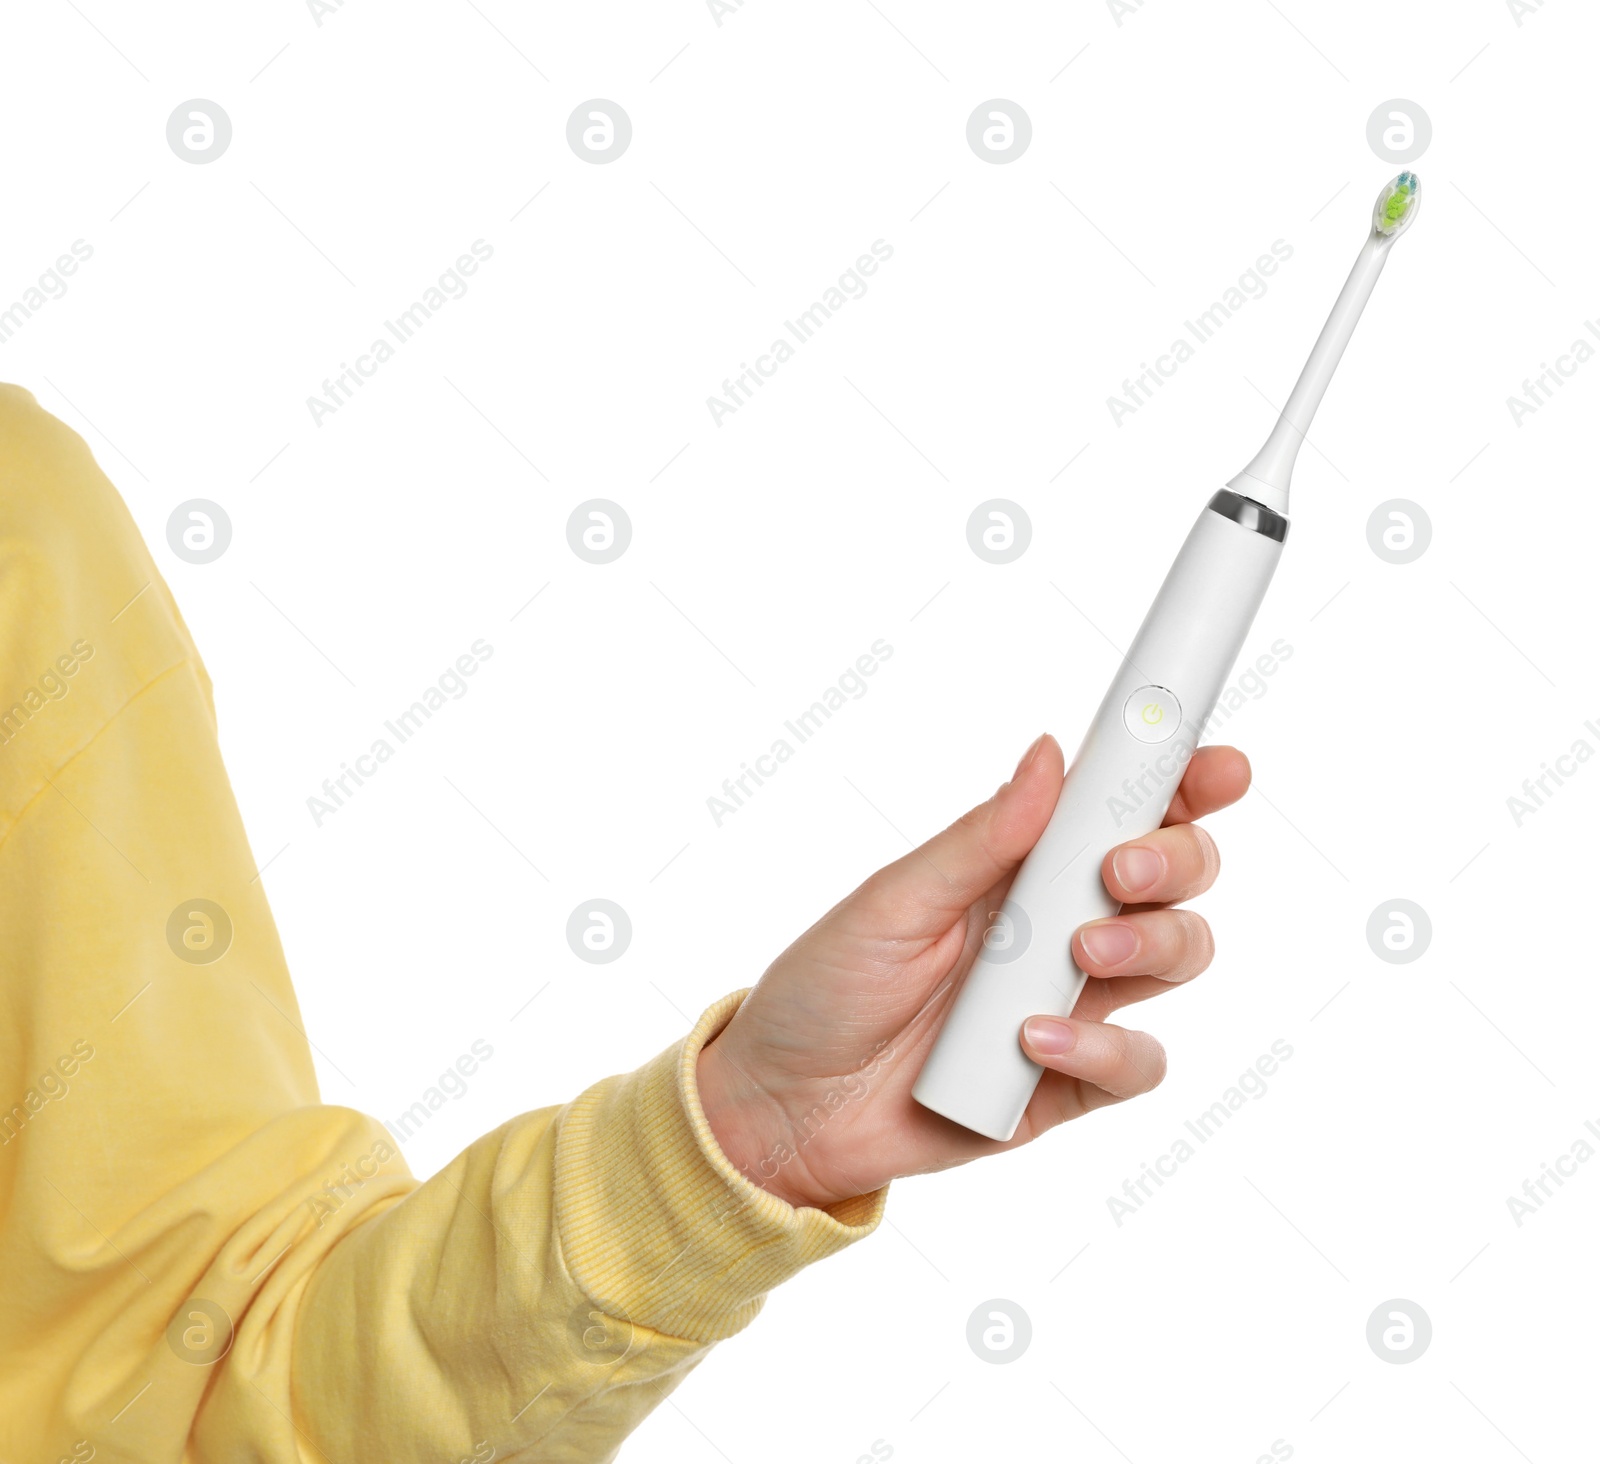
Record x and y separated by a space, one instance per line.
1396 204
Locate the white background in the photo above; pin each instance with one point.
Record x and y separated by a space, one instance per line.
768 553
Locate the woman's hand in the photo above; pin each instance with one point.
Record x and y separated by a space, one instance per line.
808 1088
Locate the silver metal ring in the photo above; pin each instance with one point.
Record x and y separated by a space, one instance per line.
1249 514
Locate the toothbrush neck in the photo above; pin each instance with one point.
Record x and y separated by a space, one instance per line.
1266 477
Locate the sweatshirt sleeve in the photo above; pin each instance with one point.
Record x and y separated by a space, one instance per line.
201 1259
550 1287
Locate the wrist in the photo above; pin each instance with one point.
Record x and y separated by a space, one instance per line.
751 1128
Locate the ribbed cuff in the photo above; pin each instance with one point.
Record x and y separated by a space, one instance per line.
657 1226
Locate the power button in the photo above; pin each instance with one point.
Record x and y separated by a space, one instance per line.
1152 714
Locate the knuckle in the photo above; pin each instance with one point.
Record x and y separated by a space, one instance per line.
1141 1061
875 891
974 820
1196 946
1204 860
976 828
1149 1059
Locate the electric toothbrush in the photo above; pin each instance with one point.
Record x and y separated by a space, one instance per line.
1134 755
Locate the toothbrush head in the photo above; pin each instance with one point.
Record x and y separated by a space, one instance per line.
1397 205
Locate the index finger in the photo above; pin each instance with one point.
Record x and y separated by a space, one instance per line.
1216 777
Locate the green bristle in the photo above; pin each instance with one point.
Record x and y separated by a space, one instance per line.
1397 203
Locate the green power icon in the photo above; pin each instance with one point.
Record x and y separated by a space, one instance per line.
1152 713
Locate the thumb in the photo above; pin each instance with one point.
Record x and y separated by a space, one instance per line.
960 865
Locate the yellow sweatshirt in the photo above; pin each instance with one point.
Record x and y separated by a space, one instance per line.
201 1261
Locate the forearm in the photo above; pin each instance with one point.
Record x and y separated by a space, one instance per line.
553 1284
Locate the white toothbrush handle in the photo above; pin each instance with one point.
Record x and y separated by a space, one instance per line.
1118 787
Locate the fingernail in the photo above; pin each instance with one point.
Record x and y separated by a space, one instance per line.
1109 944
1049 1035
1136 869
1030 754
